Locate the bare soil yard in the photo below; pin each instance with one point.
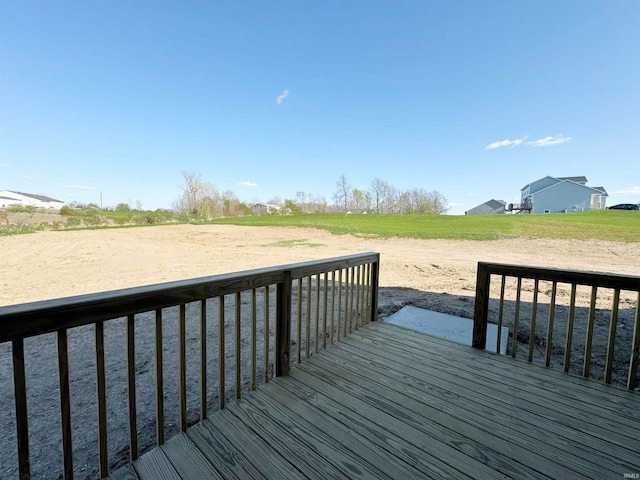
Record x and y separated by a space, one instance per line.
435 274
47 265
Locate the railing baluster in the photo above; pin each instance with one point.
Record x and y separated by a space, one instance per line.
572 316
367 284
333 304
22 423
552 314
534 314
501 314
103 452
347 316
317 323
589 340
324 309
339 303
182 366
352 287
356 309
635 349
299 324
514 343
238 346
266 334
203 359
131 388
254 349
65 403
363 283
221 352
159 380
308 319
612 336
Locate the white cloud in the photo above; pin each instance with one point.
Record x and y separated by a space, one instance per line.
541 142
26 177
282 96
635 190
504 143
548 141
472 194
248 184
79 187
5 165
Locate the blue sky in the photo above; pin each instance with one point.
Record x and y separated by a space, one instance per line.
474 99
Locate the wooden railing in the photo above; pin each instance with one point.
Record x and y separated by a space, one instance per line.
620 326
332 298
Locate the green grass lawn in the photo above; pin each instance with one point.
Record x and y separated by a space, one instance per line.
615 225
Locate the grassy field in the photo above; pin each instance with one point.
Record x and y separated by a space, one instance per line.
615 225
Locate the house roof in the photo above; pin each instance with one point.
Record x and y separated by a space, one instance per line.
495 203
42 198
602 190
581 180
560 183
536 181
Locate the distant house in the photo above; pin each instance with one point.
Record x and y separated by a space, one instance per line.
9 198
561 195
488 208
265 209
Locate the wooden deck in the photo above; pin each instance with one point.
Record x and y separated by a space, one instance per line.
387 402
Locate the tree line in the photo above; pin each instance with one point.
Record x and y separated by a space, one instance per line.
384 198
202 200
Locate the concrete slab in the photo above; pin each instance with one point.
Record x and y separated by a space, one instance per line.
458 329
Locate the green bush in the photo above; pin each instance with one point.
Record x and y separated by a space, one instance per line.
73 222
66 210
17 209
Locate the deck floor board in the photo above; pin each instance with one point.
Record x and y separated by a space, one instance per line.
567 409
477 420
500 390
386 402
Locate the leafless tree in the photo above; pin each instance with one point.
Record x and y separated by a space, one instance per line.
343 193
199 199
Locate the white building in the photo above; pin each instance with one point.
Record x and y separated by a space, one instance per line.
9 198
561 195
265 209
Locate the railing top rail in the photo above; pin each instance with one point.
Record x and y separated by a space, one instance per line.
36 318
579 277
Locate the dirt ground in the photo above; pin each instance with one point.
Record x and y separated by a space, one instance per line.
49 265
435 274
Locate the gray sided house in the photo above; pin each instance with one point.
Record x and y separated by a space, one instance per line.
563 194
487 208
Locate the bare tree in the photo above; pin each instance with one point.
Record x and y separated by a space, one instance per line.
378 187
343 193
199 199
439 203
